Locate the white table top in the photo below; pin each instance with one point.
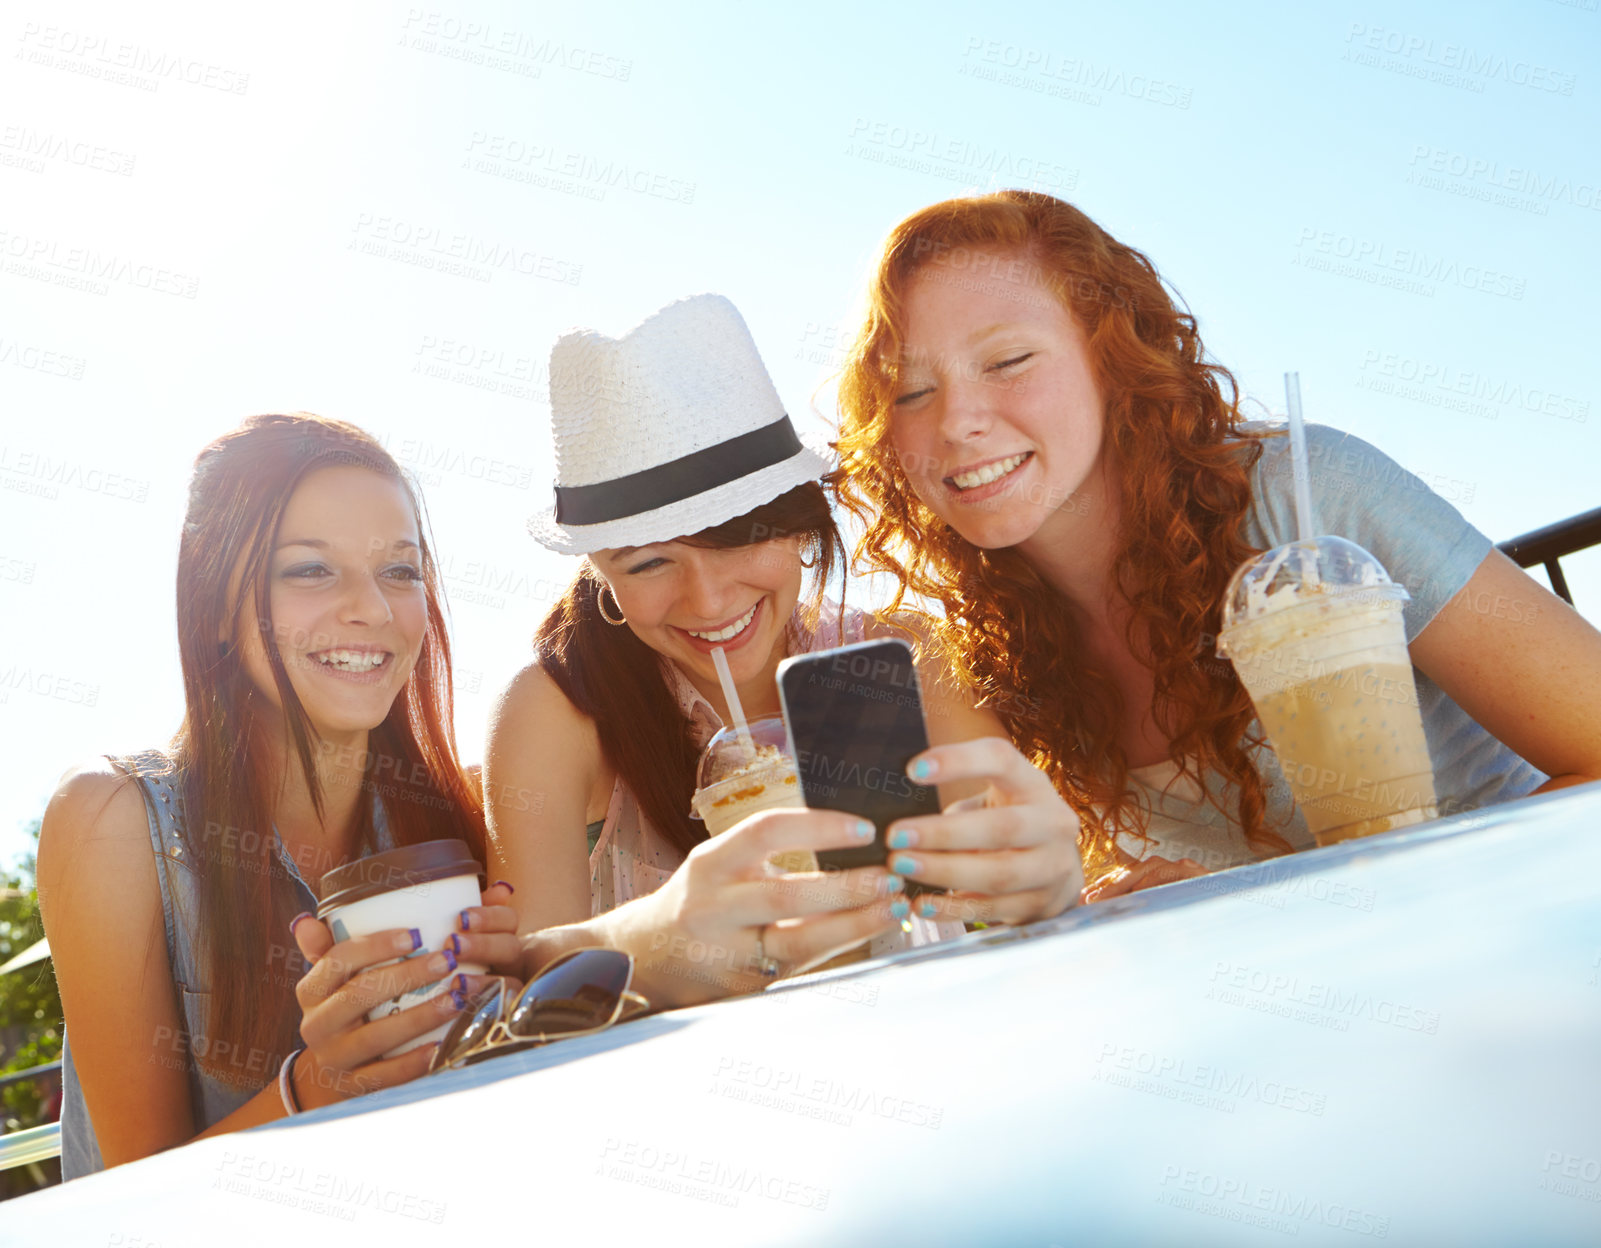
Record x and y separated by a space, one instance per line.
1396 1039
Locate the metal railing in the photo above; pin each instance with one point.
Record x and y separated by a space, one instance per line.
34 1144
33 1072
25 1148
1548 545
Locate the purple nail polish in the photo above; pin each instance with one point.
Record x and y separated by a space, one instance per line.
466 921
416 940
508 886
304 914
455 943
461 983
459 1000
450 958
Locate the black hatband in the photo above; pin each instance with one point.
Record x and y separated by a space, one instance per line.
678 479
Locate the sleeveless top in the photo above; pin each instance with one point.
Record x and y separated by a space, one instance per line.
212 1096
632 858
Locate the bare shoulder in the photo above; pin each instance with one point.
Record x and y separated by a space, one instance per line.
97 870
92 802
534 702
539 741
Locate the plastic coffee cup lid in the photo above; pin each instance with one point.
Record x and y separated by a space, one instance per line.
405 867
725 753
1302 574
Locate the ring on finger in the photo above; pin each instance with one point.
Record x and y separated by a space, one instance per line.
766 965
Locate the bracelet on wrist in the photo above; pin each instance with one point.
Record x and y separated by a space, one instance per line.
286 1082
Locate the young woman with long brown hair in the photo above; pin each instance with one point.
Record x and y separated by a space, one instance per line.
317 729
1036 440
700 516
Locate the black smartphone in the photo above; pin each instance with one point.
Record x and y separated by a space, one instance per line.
855 719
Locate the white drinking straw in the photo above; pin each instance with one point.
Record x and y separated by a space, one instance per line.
732 694
1305 521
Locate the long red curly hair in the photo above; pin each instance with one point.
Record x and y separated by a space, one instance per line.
1173 422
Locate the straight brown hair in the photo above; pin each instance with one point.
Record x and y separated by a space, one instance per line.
241 485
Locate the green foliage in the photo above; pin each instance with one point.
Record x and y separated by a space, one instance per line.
28 998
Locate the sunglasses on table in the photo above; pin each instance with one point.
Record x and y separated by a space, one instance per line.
580 993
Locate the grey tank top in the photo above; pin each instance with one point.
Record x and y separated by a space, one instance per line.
213 1096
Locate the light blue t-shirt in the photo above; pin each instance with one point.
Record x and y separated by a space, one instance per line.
1361 494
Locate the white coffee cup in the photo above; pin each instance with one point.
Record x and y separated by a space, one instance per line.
424 887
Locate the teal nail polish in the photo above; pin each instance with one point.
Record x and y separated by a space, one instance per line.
865 830
901 909
922 769
927 910
900 838
904 865
893 884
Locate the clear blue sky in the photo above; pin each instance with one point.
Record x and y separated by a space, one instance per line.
1400 201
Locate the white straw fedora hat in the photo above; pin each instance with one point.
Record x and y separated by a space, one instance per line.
668 430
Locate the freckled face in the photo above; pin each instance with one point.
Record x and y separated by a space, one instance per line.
345 599
683 601
997 420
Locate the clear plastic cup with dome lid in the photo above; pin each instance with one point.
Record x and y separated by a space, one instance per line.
1315 631
737 779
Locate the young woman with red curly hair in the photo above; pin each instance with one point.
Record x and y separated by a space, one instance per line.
1035 440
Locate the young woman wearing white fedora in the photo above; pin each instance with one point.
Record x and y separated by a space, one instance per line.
699 510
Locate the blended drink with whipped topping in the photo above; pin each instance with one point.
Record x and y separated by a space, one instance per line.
735 785
1316 634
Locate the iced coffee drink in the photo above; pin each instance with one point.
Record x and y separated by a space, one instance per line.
1316 634
734 784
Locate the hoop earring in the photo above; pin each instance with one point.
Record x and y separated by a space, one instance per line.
816 559
600 605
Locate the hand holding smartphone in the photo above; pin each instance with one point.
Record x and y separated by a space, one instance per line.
855 719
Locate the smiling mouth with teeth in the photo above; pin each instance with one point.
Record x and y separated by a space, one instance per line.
729 632
352 660
976 477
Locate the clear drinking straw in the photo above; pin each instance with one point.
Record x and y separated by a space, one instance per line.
732 694
1305 522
